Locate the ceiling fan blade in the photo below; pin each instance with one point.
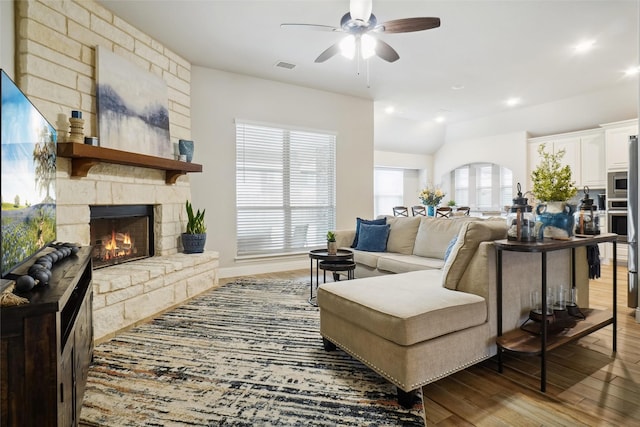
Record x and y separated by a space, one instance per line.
386 52
408 25
331 51
361 9
313 27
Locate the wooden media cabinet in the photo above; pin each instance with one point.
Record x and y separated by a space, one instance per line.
46 347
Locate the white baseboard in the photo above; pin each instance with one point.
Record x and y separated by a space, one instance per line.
247 270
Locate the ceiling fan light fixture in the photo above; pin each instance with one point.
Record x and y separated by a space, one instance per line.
348 46
360 9
367 46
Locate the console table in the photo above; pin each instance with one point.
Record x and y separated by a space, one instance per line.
524 342
46 348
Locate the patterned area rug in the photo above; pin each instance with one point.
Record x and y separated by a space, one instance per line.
246 354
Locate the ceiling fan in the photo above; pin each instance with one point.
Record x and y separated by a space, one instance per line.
361 26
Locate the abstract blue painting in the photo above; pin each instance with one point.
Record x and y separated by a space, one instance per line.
133 113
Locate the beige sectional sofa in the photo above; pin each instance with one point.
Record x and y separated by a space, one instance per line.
414 318
415 243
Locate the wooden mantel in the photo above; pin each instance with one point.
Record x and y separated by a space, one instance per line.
85 156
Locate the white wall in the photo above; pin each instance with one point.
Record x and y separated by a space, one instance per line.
218 98
7 38
509 150
419 171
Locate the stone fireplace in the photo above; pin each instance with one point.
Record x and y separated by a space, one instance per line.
55 68
116 200
119 234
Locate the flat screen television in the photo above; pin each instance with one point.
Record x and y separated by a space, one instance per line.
28 178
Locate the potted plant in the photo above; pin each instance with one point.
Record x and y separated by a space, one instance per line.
553 187
451 203
196 236
551 180
332 245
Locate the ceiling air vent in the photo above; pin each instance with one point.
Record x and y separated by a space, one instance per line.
286 65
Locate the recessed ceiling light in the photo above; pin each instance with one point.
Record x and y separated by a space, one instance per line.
390 109
584 46
457 87
632 71
440 119
512 102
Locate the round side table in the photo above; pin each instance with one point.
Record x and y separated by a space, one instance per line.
340 265
322 255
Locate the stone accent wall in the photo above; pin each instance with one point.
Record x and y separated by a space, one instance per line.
56 69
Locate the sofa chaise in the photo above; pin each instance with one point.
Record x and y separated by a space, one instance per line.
414 317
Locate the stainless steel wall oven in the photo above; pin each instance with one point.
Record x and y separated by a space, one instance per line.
617 185
617 223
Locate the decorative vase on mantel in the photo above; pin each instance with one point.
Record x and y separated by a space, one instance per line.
186 148
556 220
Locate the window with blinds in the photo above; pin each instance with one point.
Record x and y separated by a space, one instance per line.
483 186
285 189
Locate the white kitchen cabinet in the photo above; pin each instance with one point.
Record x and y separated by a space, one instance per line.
553 144
572 156
584 154
592 154
617 143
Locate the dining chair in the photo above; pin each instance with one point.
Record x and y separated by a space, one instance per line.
443 212
464 209
400 211
418 210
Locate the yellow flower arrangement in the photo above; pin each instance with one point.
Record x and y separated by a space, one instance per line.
431 196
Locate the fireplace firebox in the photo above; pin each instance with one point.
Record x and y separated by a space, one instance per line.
121 233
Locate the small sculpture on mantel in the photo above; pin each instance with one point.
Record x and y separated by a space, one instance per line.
76 131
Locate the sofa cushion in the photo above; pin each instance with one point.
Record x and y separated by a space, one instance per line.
400 263
402 235
447 253
469 238
434 236
373 238
370 259
403 308
378 221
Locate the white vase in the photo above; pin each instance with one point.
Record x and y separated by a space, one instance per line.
555 207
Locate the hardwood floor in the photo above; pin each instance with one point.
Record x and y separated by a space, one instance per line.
587 384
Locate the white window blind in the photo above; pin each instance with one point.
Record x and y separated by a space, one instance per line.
285 189
388 185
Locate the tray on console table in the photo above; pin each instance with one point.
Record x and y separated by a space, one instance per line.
85 156
525 342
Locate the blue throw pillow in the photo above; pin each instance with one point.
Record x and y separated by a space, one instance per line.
380 221
373 238
452 243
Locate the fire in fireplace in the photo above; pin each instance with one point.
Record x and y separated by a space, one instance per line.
121 233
